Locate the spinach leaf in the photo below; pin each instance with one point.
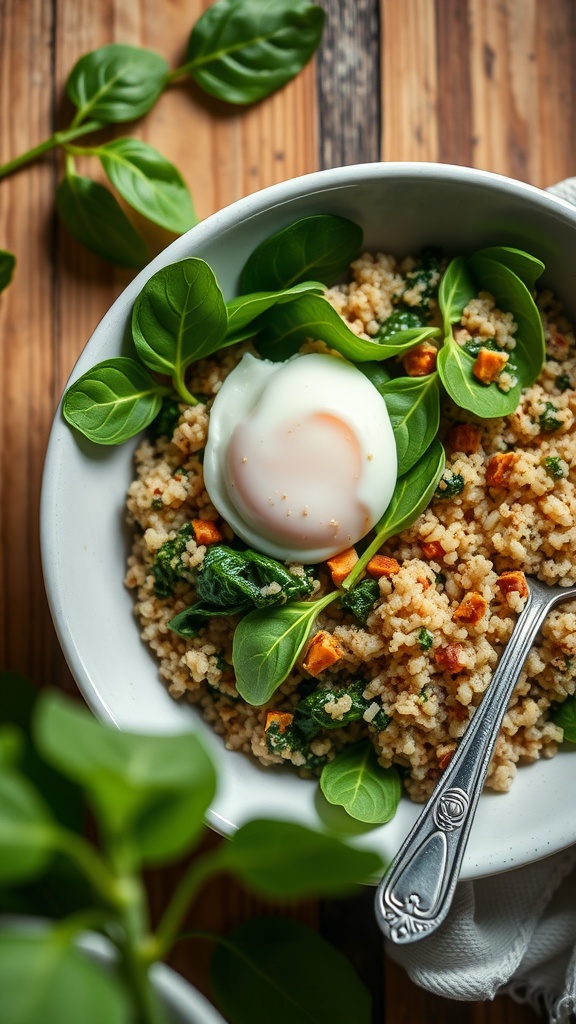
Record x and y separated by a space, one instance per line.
292 971
179 317
376 373
565 717
231 582
244 309
27 829
284 860
321 247
456 290
512 296
116 83
361 599
113 401
455 366
413 404
267 643
412 494
311 316
528 268
357 782
45 976
7 264
243 50
94 217
149 183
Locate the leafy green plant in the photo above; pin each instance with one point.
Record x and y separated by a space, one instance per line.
565 717
238 50
7 264
413 404
148 795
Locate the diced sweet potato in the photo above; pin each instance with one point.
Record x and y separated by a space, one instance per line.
420 360
488 365
464 437
323 651
513 580
432 549
499 468
281 719
471 608
381 565
340 565
206 532
445 758
450 658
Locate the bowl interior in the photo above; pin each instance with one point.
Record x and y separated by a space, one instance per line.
401 207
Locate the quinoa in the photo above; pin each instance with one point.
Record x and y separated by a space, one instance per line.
514 511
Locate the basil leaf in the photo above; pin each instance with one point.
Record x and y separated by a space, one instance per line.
7 264
413 404
26 829
565 717
527 267
455 370
244 309
267 643
455 292
273 968
45 977
152 790
116 83
242 50
178 317
94 217
321 246
113 401
283 860
312 316
412 494
149 183
512 296
357 782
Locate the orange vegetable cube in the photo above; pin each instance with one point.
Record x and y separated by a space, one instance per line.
471 608
323 651
381 565
513 580
488 365
464 437
450 658
206 532
432 549
420 360
499 468
340 565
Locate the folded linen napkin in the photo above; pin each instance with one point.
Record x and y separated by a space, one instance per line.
513 933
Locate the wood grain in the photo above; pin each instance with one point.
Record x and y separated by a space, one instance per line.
488 83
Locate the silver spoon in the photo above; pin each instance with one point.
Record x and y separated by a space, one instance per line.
415 894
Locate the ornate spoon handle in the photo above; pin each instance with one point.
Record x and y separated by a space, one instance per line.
414 896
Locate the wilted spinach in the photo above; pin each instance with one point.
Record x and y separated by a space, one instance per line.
565 717
361 599
231 582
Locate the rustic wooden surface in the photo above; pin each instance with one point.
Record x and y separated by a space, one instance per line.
488 83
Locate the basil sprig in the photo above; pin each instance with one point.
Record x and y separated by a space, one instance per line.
239 51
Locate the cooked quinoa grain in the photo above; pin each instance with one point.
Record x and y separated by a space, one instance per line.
411 673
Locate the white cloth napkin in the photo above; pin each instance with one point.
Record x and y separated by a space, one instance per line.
514 933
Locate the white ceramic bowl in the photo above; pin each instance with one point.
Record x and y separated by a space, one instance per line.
84 545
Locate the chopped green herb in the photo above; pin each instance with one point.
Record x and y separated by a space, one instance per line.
425 639
168 568
311 713
450 485
565 717
548 421
400 320
473 346
568 663
424 278
291 738
360 600
167 419
563 382
554 467
157 503
423 695
440 579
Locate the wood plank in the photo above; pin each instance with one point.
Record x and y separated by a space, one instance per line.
409 80
455 142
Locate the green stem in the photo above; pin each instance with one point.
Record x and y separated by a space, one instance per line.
171 922
57 139
90 863
185 395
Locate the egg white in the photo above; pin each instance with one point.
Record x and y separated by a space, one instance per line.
300 458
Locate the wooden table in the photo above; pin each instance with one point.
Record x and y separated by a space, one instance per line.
487 83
